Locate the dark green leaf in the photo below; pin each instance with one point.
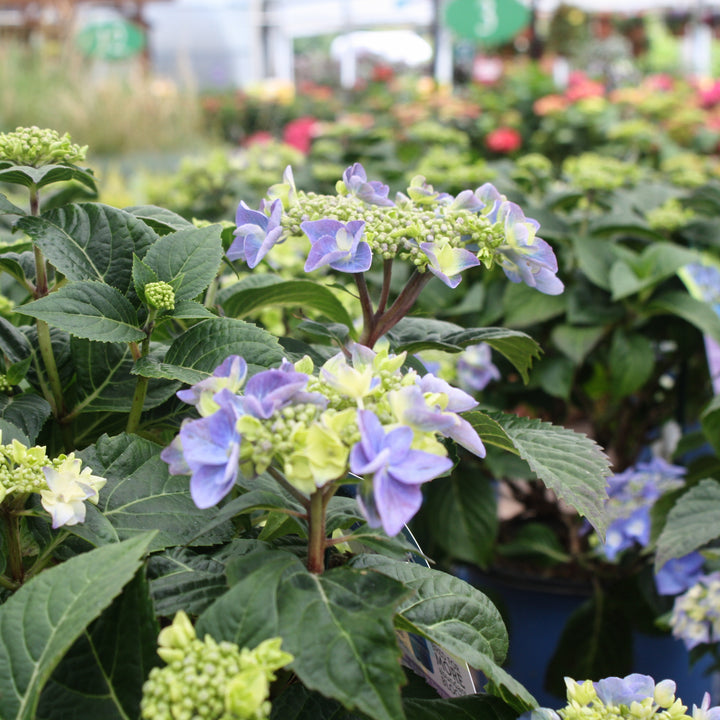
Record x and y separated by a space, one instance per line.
457 617
576 342
140 493
657 262
191 257
27 175
305 293
13 343
153 368
142 274
28 411
337 625
9 432
8 208
159 219
693 521
595 257
105 379
525 306
491 431
569 463
536 541
415 334
20 266
16 372
698 313
205 345
710 420
296 702
269 497
91 241
445 608
88 310
184 580
41 621
96 529
555 375
189 310
632 360
103 673
464 519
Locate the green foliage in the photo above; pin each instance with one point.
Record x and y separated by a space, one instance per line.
43 619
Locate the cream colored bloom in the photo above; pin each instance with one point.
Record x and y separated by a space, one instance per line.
68 489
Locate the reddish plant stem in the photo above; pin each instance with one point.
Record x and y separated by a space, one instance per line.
397 311
385 292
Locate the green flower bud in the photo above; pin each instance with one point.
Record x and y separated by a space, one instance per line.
36 147
160 295
246 694
174 639
206 680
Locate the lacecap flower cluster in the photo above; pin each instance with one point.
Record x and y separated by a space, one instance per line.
62 483
631 496
433 231
359 414
634 697
696 613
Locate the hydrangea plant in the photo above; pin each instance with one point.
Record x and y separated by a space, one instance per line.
246 487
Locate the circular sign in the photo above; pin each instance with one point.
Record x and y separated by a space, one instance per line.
490 22
111 40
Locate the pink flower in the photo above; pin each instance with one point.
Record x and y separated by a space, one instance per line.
503 140
299 133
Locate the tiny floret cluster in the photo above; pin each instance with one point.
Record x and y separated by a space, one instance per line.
360 413
696 613
207 680
634 697
160 295
36 147
433 231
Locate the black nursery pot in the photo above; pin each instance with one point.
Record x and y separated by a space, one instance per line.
536 611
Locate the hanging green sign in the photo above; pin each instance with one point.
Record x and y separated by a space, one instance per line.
489 22
116 39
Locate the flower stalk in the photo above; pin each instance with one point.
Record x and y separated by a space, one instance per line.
141 385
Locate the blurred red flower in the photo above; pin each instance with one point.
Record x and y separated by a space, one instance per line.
299 133
503 140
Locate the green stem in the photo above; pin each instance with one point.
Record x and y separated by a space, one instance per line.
8 584
56 400
46 352
11 531
141 385
211 293
138 400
